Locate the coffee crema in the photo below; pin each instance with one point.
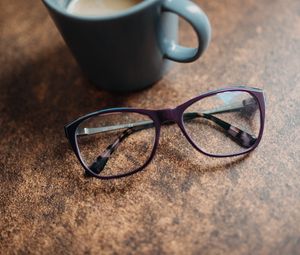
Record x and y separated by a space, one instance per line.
99 7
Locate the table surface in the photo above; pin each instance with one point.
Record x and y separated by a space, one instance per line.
183 203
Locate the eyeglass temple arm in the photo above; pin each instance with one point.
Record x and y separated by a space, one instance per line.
92 131
241 137
248 104
101 161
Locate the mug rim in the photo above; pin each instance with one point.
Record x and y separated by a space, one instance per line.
134 9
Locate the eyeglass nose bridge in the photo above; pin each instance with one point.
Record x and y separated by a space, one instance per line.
167 115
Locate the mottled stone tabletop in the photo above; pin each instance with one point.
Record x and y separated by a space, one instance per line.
184 202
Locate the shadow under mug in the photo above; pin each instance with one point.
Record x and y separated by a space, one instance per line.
132 49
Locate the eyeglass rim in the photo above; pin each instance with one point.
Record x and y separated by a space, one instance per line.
257 94
70 129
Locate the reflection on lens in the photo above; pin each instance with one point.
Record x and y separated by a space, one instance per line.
227 123
116 143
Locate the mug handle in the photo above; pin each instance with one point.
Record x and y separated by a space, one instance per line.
198 20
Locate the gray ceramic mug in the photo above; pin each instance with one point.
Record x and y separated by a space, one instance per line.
132 49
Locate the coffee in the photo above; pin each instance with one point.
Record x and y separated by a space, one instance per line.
99 7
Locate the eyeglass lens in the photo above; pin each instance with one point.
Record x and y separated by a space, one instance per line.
226 123
116 143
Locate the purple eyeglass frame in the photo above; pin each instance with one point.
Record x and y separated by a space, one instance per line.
159 117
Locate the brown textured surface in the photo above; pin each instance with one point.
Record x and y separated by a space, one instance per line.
184 203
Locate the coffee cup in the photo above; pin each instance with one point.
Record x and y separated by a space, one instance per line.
130 48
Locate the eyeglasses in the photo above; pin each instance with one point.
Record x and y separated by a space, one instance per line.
118 142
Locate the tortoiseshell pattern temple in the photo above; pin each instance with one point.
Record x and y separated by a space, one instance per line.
101 161
239 136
